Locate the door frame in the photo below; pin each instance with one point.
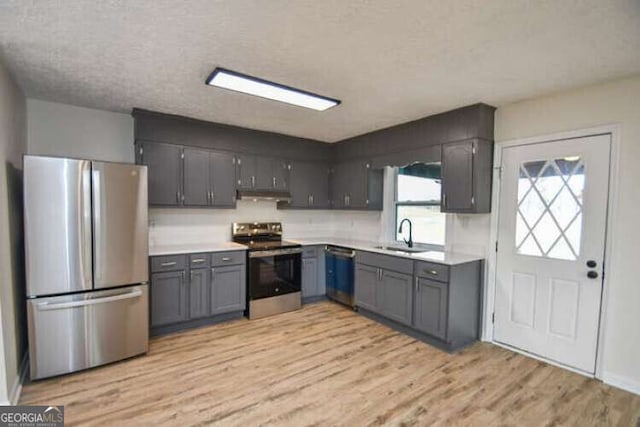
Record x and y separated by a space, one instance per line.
490 288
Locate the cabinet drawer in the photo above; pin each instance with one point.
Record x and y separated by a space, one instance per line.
309 252
387 262
200 260
228 258
432 271
168 263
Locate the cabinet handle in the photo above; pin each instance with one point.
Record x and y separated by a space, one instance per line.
253 180
473 200
432 272
198 261
177 196
225 259
168 264
274 182
416 285
213 197
312 200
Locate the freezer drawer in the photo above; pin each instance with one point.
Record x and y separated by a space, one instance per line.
73 332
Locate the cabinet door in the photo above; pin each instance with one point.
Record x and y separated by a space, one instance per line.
228 289
264 173
222 173
430 307
196 177
375 191
395 296
457 177
246 172
164 163
309 277
280 170
199 293
168 298
340 185
357 185
300 186
319 185
366 284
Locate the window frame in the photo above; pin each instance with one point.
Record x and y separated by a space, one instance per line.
396 203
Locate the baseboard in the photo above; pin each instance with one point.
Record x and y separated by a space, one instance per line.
16 389
621 382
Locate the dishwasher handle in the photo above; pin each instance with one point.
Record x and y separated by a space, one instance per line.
339 252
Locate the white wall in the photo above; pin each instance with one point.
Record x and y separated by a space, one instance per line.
201 225
616 102
12 146
64 130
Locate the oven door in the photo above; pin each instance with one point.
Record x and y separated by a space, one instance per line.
274 272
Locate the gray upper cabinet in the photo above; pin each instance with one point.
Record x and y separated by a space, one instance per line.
186 176
246 172
222 174
196 177
164 163
353 185
466 176
430 309
309 186
262 173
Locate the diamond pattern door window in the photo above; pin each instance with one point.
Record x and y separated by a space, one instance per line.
549 213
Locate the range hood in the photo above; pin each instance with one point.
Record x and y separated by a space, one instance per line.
272 195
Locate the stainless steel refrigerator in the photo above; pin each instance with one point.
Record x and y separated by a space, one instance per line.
86 242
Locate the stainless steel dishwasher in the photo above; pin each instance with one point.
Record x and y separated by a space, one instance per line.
339 266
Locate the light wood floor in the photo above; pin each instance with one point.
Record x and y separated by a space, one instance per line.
326 365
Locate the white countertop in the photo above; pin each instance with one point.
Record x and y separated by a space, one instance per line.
186 248
440 257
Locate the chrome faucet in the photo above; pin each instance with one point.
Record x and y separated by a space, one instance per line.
410 241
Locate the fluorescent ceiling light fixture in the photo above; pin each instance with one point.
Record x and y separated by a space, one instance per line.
265 89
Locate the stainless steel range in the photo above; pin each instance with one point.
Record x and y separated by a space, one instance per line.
273 269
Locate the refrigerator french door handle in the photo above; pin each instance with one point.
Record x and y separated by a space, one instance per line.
86 226
97 233
63 305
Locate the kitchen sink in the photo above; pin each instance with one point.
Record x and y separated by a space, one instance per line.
404 249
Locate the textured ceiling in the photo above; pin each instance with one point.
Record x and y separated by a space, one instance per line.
388 61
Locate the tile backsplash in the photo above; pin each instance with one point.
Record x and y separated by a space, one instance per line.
185 226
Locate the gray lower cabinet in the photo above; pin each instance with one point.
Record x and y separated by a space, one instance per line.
366 287
396 296
169 298
187 289
199 279
227 289
309 277
437 300
430 307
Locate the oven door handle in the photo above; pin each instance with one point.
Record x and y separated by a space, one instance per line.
275 252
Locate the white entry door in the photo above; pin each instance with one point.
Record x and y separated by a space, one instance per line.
551 244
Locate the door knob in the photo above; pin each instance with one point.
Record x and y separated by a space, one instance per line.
591 263
592 274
